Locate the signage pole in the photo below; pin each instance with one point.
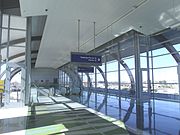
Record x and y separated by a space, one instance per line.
78 35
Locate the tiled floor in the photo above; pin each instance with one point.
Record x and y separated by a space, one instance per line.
59 115
13 120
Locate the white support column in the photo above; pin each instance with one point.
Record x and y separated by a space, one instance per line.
28 61
7 83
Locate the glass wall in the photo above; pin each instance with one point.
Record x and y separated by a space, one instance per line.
12 53
157 102
165 72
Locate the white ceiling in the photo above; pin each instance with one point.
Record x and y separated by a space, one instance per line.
60 33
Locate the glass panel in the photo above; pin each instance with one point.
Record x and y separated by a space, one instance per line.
160 51
4 35
100 81
177 47
4 53
19 59
164 61
130 62
166 83
5 20
112 78
143 62
112 66
15 34
16 50
18 22
85 80
20 45
92 79
3 68
125 81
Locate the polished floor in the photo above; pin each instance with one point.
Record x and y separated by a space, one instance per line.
163 119
58 115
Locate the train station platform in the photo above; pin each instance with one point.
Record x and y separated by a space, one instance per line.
58 115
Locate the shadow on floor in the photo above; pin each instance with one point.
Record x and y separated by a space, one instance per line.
60 121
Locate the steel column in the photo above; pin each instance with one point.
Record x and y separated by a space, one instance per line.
95 88
119 79
106 86
138 77
149 85
28 61
82 78
152 78
89 90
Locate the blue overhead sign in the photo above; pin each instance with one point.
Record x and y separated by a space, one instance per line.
82 58
85 69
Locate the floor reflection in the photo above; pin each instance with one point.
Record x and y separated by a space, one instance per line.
61 116
155 121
